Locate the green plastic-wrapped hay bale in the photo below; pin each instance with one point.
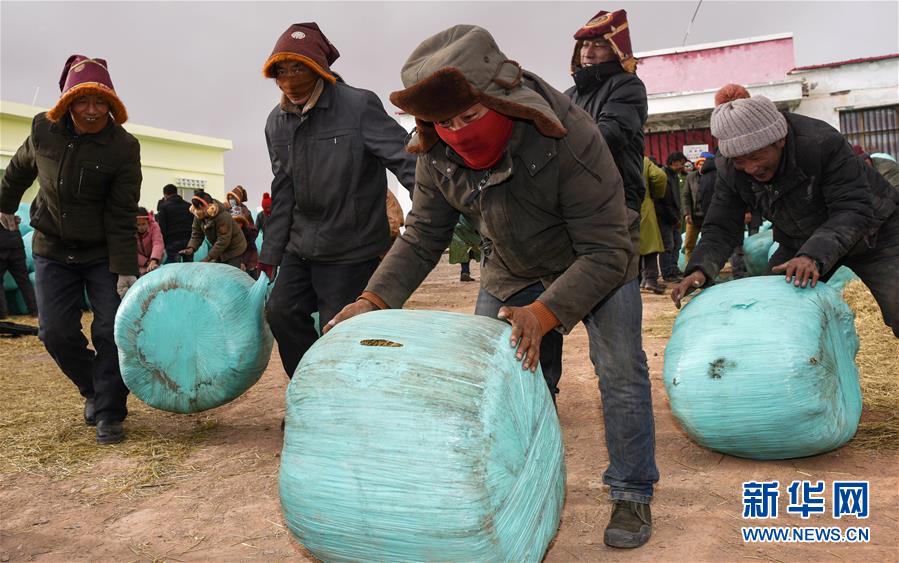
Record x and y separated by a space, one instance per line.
763 369
192 337
416 436
755 252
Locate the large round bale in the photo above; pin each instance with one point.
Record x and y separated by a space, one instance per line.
28 239
192 337
416 435
24 213
755 252
762 369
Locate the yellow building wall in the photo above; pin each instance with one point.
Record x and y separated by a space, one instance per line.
166 155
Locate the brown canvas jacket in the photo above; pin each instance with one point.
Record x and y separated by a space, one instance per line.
553 211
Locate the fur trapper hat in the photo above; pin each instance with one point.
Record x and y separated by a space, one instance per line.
457 68
82 76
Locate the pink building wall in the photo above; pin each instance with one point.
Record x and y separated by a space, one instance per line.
748 63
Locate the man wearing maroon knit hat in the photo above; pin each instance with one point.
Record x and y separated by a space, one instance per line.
88 169
329 145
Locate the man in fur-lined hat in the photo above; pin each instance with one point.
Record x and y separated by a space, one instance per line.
533 175
88 169
213 222
330 146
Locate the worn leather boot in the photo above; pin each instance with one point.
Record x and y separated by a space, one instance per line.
89 412
630 525
110 432
654 286
466 278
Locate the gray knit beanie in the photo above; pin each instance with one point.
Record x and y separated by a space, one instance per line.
746 125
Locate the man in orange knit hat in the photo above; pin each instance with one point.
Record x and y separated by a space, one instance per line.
534 178
88 169
330 145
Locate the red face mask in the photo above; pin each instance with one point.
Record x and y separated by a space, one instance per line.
480 143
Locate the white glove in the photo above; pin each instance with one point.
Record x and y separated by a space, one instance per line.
123 284
8 221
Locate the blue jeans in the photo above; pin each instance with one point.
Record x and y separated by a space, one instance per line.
616 350
59 288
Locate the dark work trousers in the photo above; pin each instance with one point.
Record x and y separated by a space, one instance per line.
173 247
616 351
671 238
60 291
650 266
12 260
878 268
303 287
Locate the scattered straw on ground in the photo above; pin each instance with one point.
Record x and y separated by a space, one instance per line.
42 431
878 367
660 324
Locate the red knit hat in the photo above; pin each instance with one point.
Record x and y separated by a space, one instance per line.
729 93
266 203
303 43
613 27
82 76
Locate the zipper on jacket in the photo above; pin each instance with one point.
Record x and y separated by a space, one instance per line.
70 144
476 192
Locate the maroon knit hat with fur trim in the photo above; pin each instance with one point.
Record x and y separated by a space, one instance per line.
82 76
304 43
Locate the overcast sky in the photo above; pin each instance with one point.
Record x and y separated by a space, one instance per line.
196 66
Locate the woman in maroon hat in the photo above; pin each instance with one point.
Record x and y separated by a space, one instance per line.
88 169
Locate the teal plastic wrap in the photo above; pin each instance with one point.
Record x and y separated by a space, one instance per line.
24 213
788 389
755 252
192 337
841 277
416 436
203 251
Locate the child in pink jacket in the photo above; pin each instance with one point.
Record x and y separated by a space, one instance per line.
149 242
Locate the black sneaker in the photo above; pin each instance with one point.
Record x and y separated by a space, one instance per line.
466 278
630 525
110 432
89 412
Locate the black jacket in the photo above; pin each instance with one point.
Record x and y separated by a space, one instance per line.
668 207
328 194
89 188
175 219
617 101
707 181
823 201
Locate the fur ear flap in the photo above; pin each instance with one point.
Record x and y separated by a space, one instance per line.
212 210
193 210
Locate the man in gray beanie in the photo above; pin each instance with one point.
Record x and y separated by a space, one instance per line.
827 208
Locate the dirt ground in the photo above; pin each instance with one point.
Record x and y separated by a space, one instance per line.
219 500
